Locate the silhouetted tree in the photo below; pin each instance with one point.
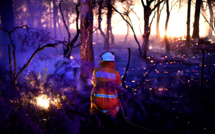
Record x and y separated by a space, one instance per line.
167 20
147 9
211 18
196 20
188 23
158 21
29 38
109 13
100 4
70 42
127 10
129 22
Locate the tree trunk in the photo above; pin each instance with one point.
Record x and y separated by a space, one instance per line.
86 48
111 32
145 46
73 41
100 19
166 25
211 19
112 36
188 24
203 10
158 21
54 18
67 19
67 52
196 20
107 43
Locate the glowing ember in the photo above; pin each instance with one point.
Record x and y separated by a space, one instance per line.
71 57
43 101
150 47
160 89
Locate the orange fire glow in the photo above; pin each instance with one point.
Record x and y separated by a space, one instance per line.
177 26
43 101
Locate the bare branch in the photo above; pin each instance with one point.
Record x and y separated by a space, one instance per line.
32 56
64 22
130 27
10 63
77 45
152 19
100 19
77 29
173 5
157 5
207 21
144 5
204 17
14 53
95 29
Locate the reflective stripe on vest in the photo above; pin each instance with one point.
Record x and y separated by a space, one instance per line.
106 75
106 95
106 111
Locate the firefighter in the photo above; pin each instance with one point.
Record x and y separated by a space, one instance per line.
106 84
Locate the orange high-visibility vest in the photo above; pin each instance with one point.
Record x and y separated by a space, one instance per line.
105 92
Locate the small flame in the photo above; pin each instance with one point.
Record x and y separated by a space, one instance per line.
71 57
43 101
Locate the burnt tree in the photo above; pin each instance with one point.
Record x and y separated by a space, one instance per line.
100 3
106 4
211 18
167 20
109 13
196 20
86 47
158 21
188 24
147 10
128 21
70 42
127 11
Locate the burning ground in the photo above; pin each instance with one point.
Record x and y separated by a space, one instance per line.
167 93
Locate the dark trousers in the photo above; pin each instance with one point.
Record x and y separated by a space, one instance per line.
102 123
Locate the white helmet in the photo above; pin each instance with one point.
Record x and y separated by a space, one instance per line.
108 56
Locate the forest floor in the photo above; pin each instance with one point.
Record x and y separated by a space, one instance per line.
165 90
163 94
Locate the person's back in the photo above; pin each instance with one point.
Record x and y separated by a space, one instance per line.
106 81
